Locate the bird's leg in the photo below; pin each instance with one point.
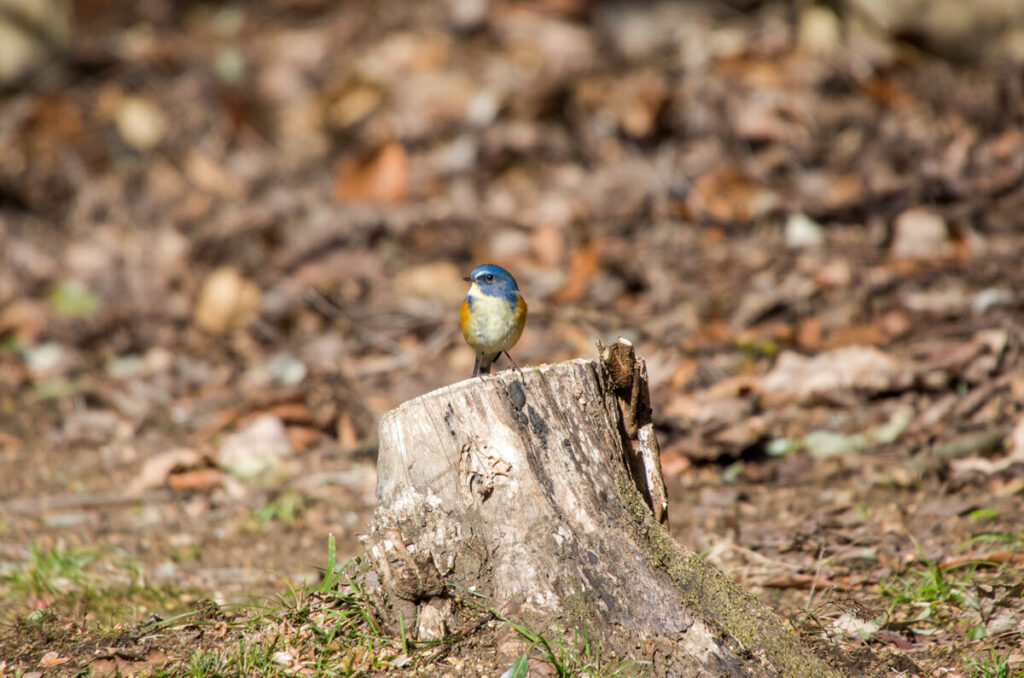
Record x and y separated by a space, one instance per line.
476 366
514 366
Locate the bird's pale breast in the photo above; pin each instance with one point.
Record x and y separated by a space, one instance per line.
492 324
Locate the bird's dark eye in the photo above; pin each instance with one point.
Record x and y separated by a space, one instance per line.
489 277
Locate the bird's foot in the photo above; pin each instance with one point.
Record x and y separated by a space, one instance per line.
514 366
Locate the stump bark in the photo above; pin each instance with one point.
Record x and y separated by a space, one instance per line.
540 491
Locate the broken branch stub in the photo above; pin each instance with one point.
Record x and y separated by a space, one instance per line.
540 493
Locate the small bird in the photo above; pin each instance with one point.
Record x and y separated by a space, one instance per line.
492 315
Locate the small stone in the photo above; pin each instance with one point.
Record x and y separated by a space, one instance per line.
166 570
828 443
991 297
468 14
819 31
140 123
919 233
124 367
889 431
286 369
44 359
230 66
802 231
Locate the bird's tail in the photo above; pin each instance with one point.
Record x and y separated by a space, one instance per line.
485 362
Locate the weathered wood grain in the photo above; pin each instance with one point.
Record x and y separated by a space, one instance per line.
519 487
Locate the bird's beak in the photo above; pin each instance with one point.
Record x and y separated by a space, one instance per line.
468 279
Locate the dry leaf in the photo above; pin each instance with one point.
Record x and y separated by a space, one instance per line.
51 659
10 445
848 370
381 177
683 373
634 102
728 195
549 245
354 104
25 318
301 438
895 323
210 176
853 335
583 265
809 334
440 280
986 466
157 469
348 437
256 448
831 191
1016 441
195 479
834 273
293 413
227 301
715 331
674 464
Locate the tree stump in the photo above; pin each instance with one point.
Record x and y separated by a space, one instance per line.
541 491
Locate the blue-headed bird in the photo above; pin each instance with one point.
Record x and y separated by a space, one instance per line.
492 315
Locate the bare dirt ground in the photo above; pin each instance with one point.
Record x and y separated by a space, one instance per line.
232 236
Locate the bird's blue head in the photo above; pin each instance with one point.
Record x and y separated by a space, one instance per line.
493 281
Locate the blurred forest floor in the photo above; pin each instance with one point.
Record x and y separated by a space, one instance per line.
232 235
